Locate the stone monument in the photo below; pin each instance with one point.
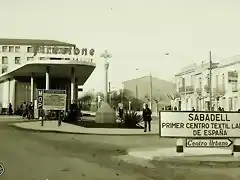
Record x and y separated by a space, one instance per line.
105 113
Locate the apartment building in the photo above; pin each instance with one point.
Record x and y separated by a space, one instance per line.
193 86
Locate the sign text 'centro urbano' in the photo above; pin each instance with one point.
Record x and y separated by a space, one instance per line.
208 142
63 50
199 124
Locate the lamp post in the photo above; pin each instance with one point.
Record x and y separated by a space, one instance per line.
106 55
150 88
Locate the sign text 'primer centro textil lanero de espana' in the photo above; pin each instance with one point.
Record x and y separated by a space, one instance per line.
199 124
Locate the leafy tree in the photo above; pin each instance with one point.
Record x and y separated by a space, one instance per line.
86 100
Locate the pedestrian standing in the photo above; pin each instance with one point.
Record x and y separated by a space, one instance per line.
24 109
147 113
10 110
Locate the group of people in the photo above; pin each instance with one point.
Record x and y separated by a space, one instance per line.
27 110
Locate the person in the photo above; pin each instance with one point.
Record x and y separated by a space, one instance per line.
120 112
175 108
147 118
73 112
193 109
30 111
219 108
10 110
24 109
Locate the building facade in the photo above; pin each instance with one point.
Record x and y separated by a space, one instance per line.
193 86
28 64
140 89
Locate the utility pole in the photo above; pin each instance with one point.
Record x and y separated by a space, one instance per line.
150 91
109 92
210 80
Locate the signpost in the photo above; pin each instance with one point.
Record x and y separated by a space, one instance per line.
52 100
208 142
188 124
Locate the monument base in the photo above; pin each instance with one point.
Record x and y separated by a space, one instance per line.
106 114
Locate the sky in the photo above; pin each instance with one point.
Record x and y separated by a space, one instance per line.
137 33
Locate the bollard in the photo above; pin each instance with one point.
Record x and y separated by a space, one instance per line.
59 118
179 147
236 148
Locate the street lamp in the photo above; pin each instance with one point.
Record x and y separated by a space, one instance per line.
150 87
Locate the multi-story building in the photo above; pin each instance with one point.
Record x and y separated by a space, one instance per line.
27 65
193 86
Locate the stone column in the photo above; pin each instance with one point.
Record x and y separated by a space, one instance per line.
9 89
73 84
32 88
106 65
47 78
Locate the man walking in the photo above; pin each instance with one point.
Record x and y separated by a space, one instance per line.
147 118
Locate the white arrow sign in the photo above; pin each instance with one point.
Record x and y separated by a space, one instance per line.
208 142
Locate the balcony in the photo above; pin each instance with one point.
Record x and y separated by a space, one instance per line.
181 90
199 91
234 89
219 91
206 89
189 89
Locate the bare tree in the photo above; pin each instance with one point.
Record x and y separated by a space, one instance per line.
174 96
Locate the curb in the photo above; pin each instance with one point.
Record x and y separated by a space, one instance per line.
176 161
82 133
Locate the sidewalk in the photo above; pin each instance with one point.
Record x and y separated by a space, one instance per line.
52 126
12 118
191 156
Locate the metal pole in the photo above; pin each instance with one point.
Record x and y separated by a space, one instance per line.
150 91
210 79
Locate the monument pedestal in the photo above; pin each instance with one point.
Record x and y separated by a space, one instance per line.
106 114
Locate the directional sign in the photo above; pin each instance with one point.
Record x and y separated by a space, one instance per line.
188 124
208 142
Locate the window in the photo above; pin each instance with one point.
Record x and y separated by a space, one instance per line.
4 69
30 49
29 58
4 49
223 79
230 101
183 82
11 48
17 60
17 48
4 60
200 83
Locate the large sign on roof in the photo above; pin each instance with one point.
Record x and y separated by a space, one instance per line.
63 50
199 124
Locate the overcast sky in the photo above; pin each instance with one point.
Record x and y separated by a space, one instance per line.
137 33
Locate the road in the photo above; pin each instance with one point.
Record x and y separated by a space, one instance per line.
41 156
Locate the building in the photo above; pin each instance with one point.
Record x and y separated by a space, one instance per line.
28 65
193 86
140 89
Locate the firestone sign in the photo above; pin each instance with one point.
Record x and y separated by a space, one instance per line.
63 50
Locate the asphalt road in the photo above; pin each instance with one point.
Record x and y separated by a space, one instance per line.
41 156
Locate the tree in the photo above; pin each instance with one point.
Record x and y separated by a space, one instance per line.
174 96
86 100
